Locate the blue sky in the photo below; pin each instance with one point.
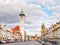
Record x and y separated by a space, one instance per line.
36 12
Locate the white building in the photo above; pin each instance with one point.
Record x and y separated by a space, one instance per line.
2 32
9 33
5 33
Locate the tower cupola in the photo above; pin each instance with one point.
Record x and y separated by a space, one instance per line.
22 13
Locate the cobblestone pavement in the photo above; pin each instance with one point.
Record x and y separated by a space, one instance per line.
23 43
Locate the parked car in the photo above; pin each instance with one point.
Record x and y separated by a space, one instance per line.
39 41
10 41
44 43
2 42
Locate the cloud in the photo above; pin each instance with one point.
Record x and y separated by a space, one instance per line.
9 19
36 12
33 33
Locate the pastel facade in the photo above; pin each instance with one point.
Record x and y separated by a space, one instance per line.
53 33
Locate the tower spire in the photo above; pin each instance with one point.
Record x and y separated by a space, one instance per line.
43 26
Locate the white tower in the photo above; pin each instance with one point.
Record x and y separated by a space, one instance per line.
22 18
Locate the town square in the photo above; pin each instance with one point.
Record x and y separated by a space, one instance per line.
29 22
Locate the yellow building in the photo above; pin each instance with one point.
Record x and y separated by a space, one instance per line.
53 32
1 25
54 28
34 38
1 36
43 30
25 36
2 32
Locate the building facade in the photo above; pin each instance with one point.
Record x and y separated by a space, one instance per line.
43 31
53 33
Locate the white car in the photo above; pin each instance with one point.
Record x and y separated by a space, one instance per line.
42 42
2 41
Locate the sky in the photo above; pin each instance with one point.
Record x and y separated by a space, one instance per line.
36 13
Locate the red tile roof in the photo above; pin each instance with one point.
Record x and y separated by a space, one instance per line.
17 28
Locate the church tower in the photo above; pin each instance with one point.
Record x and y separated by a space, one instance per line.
43 30
22 19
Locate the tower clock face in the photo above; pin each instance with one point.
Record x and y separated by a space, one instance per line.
21 16
0 26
